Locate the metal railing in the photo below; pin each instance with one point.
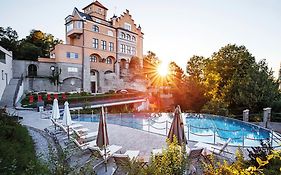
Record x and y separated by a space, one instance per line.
209 134
17 90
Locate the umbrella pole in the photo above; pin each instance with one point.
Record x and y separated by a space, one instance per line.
55 124
68 132
105 161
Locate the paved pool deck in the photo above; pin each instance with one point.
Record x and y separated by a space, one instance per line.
128 138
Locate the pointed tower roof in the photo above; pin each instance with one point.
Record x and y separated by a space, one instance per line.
97 3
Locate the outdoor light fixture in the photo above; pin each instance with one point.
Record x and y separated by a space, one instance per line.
52 68
56 71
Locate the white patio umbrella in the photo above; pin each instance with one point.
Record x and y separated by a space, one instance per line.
55 111
66 120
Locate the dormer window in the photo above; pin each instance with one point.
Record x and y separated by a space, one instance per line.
127 26
99 11
95 28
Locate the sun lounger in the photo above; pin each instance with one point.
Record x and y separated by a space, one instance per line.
75 126
85 145
130 154
209 149
86 136
71 130
110 150
157 151
122 160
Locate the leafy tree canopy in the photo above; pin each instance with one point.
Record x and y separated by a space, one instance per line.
234 79
36 44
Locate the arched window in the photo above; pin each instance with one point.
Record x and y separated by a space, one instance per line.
133 38
128 37
93 58
108 60
96 28
123 35
93 72
32 70
108 72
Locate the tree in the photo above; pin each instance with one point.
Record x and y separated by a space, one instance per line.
36 44
9 39
234 80
37 40
195 67
135 65
150 64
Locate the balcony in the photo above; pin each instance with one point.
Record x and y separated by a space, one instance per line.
74 33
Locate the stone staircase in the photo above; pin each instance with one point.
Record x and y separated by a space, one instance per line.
9 93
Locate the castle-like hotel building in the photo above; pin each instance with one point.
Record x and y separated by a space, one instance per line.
97 51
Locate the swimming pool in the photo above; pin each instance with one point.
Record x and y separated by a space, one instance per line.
198 127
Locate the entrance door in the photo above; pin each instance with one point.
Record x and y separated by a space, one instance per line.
93 87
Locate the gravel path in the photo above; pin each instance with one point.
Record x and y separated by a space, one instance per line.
43 143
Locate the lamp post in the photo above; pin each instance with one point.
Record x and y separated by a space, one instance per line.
56 71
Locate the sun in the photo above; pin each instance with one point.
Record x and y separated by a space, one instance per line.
163 69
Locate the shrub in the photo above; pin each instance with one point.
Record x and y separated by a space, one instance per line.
17 154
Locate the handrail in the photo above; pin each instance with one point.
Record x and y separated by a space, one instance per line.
235 138
228 130
208 135
199 127
249 138
158 126
17 90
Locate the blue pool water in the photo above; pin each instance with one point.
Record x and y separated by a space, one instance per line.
198 127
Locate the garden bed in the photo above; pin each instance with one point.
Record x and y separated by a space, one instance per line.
82 97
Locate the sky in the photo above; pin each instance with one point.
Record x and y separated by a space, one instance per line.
174 30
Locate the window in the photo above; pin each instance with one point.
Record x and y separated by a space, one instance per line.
123 35
128 37
99 11
72 55
133 38
96 28
103 44
128 49
79 24
93 58
2 57
108 61
2 74
127 26
95 43
93 73
69 26
111 46
72 69
133 50
110 33
123 48
98 20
